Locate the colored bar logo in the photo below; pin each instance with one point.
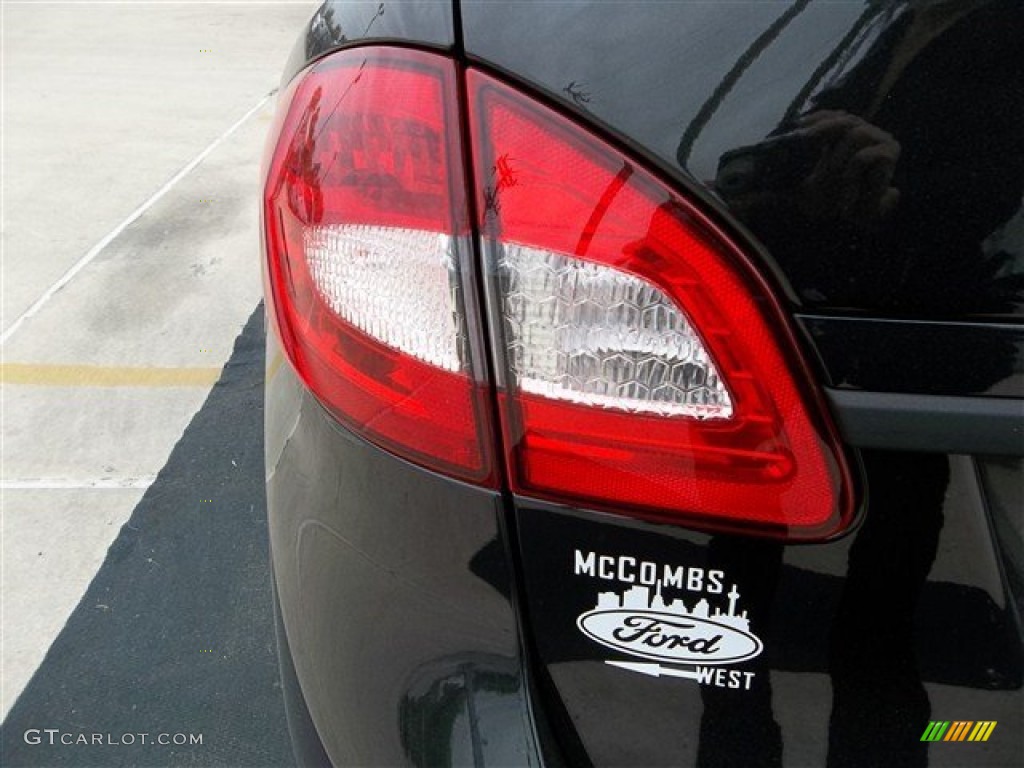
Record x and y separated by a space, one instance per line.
958 730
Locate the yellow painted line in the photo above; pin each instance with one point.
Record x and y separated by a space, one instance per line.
42 375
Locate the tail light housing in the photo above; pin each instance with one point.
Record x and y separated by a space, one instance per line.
641 365
368 256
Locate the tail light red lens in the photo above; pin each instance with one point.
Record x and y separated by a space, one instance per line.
367 235
643 366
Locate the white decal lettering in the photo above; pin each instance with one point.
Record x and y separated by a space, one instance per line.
724 678
641 622
648 573
624 574
695 579
704 675
673 577
584 563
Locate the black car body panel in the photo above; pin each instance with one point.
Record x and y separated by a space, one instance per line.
942 358
433 623
865 639
395 593
340 24
688 83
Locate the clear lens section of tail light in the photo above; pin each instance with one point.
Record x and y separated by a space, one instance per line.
364 274
367 237
644 367
593 335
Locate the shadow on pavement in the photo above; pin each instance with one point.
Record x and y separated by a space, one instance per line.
175 633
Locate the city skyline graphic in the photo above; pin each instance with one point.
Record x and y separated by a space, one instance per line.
640 598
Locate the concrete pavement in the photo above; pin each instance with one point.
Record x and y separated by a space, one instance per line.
174 636
109 109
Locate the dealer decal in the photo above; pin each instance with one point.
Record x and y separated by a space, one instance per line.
692 636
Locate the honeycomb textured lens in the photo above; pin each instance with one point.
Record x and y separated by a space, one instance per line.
594 335
397 285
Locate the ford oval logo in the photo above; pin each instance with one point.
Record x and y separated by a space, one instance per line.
669 637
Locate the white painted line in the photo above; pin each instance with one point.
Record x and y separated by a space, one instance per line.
68 483
79 265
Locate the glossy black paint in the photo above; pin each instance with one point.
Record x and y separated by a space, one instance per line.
910 356
340 23
866 639
432 623
941 84
878 629
395 598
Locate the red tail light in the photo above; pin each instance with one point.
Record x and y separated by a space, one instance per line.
646 367
643 366
367 237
